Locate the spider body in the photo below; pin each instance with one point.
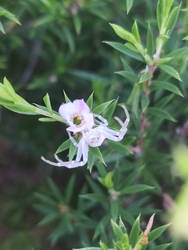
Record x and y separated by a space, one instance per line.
89 135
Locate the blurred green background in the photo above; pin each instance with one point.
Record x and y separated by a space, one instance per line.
59 47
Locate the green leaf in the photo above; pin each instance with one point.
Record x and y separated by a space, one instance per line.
114 209
91 161
70 189
93 197
160 12
134 99
119 147
21 108
65 145
49 218
156 233
124 34
69 37
145 76
45 199
167 6
72 151
181 52
47 120
9 87
96 151
121 47
167 86
135 189
145 101
161 247
117 230
102 107
163 60
90 100
135 231
77 23
150 40
66 97
4 93
172 19
2 28
54 190
103 246
128 75
129 4
86 75
107 180
160 113
4 12
185 38
135 31
48 103
131 47
170 71
111 109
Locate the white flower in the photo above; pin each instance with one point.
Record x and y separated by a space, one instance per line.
77 115
92 131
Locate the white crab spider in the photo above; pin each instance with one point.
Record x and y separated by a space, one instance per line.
91 136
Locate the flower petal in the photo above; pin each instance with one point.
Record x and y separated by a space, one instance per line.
81 106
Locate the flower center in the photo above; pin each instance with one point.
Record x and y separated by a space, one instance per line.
77 119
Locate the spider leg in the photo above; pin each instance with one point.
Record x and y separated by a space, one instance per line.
56 164
82 152
118 120
115 135
126 122
72 139
57 158
101 119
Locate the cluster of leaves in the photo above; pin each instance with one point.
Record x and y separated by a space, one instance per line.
136 240
56 44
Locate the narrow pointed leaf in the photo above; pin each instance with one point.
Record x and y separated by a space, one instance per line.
124 34
156 233
65 145
90 100
2 28
135 189
135 31
162 247
181 52
47 120
66 97
170 71
128 75
160 113
129 4
135 232
48 103
122 48
96 151
167 86
150 40
102 107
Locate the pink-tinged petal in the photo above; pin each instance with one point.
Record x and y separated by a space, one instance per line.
81 106
67 110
